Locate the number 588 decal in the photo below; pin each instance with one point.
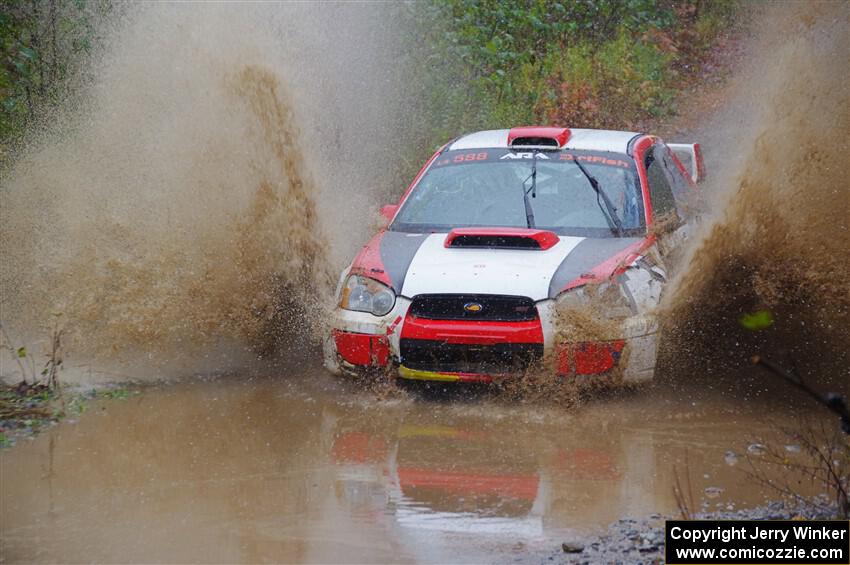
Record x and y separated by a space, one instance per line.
466 157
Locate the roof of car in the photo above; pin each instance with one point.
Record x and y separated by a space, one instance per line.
587 139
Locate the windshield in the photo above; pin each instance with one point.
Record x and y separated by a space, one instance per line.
478 188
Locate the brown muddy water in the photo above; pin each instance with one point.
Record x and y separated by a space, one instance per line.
311 468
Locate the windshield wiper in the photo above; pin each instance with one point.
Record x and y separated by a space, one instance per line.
529 213
609 211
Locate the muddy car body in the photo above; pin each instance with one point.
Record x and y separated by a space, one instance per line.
511 249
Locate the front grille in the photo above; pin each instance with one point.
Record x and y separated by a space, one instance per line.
493 307
499 359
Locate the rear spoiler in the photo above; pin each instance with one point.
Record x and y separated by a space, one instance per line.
690 155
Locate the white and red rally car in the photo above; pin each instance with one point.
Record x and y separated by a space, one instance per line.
504 245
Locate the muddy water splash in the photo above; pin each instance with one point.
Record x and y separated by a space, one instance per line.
236 281
195 200
779 241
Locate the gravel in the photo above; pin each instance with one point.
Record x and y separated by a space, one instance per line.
641 541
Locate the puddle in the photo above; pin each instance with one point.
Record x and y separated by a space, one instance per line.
315 470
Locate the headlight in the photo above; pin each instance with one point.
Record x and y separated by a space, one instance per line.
363 294
572 299
609 299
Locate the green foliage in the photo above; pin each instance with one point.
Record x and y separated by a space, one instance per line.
118 393
495 37
78 405
24 409
580 63
758 320
40 42
712 18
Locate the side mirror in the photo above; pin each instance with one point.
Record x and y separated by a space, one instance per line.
388 211
690 155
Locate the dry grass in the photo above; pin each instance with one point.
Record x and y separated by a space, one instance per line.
823 462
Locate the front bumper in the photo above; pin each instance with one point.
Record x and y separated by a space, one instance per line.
482 352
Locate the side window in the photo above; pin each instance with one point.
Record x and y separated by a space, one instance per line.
681 185
686 195
660 189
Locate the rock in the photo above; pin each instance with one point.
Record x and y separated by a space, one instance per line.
731 458
616 547
572 547
757 449
713 492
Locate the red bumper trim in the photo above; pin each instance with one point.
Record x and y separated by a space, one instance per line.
589 358
362 349
472 332
475 378
523 487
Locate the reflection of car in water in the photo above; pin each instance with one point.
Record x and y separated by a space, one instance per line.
428 487
503 496
426 477
513 247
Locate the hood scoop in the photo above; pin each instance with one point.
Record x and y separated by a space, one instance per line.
501 238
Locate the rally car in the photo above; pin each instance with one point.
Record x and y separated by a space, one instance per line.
531 248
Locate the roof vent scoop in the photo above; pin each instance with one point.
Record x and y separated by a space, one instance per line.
533 137
549 142
502 238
